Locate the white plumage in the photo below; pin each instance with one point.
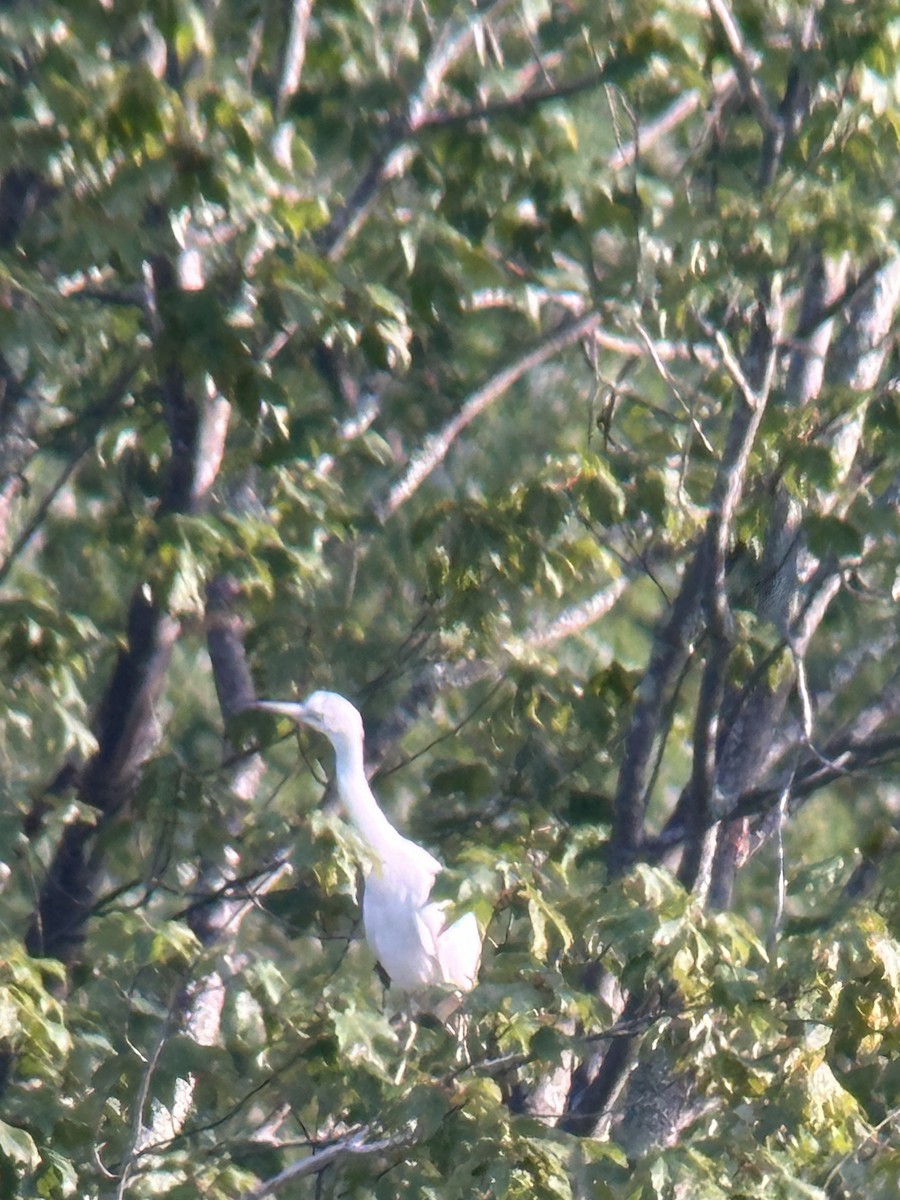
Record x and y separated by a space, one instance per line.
407 931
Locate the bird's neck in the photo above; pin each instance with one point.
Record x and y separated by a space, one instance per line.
359 803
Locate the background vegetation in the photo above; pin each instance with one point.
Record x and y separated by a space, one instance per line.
527 372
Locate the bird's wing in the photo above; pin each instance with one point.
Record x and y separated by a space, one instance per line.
459 952
455 948
416 869
427 861
428 925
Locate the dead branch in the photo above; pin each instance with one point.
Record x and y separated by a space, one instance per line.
435 448
354 1145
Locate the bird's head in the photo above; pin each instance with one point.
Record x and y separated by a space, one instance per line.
327 712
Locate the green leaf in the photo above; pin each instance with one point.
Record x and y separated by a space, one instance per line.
468 779
832 538
173 942
19 1146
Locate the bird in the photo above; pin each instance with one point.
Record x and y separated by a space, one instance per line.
407 931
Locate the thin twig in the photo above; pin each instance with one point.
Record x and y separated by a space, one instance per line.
892 1116
666 375
676 114
143 1092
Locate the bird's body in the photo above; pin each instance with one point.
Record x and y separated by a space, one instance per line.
407 931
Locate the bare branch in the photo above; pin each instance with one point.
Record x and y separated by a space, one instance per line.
22 190
736 371
649 723
747 62
676 114
198 1004
661 350
577 617
702 599
392 160
355 1145
657 360
291 70
755 385
212 437
872 1135
594 1091
781 880
859 353
294 54
196 1009
452 42
435 449
823 286
225 634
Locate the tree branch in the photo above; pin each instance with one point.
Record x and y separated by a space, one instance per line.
435 449
354 1145
650 721
755 386
291 70
393 159
520 103
294 54
746 62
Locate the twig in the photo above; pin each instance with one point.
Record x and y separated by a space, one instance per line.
676 114
870 1136
510 106
137 1121
666 375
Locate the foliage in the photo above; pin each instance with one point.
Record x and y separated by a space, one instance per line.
525 371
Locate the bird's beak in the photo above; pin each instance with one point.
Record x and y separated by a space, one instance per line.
301 713
284 708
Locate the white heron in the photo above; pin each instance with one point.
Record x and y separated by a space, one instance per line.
406 930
